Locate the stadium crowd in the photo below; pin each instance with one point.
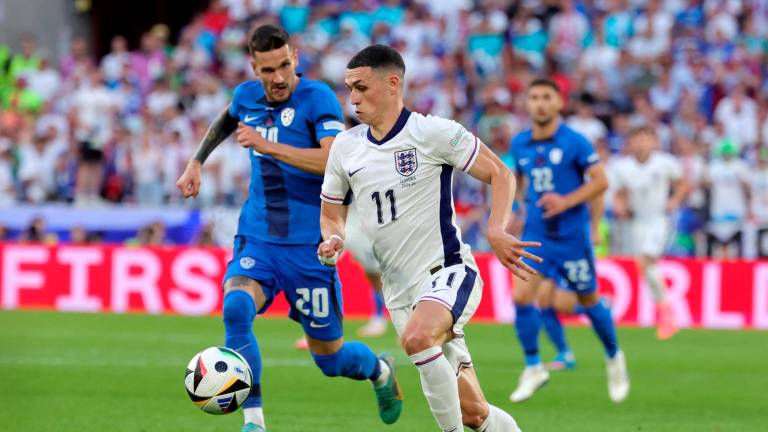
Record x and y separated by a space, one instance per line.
119 129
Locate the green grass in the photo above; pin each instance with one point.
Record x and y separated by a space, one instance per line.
79 372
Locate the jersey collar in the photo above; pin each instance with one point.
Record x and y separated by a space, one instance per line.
399 125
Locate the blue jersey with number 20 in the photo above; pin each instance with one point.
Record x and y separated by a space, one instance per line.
283 205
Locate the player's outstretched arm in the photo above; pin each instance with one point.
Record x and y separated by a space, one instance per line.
491 170
597 183
218 131
333 218
311 160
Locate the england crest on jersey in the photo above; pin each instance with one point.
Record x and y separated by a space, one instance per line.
406 162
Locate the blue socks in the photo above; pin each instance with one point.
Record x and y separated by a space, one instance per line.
527 324
554 329
354 360
602 323
378 302
239 313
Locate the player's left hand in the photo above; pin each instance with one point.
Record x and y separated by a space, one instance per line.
248 137
510 250
553 204
328 252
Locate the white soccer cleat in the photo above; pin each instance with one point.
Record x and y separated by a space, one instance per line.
532 379
376 326
618 378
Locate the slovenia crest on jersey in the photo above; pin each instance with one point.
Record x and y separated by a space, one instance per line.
555 156
286 116
406 162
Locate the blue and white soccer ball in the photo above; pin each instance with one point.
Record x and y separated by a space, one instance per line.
218 380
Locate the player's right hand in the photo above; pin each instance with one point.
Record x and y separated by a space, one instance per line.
329 251
510 250
189 182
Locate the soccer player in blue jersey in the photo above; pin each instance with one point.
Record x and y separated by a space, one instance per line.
287 123
563 173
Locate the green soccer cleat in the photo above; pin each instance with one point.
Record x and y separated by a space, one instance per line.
389 396
252 427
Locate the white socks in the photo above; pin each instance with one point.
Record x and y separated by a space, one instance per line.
254 415
498 421
384 377
656 283
438 381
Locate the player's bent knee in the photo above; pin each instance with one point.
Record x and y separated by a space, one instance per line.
588 300
414 342
238 308
330 365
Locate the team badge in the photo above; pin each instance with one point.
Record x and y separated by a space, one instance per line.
406 162
247 262
556 156
286 116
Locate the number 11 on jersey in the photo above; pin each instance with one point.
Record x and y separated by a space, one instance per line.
390 195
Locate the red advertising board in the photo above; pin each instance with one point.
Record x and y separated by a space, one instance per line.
182 280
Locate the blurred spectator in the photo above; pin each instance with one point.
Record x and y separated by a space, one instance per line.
114 63
568 33
738 113
37 233
7 187
585 122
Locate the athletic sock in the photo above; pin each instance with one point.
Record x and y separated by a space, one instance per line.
441 389
602 323
656 283
527 324
554 329
498 421
239 313
378 303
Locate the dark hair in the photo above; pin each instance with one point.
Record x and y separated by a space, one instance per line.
378 57
544 82
267 38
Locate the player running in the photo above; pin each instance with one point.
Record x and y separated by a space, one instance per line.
555 160
398 165
288 124
650 187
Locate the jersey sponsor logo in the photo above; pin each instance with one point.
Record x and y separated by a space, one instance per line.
287 115
313 324
333 125
555 156
247 262
351 173
406 162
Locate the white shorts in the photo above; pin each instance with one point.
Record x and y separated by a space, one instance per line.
459 288
360 247
650 236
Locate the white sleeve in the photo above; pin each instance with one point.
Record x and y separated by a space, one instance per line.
675 168
335 188
451 142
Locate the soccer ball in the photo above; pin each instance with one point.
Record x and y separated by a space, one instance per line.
218 380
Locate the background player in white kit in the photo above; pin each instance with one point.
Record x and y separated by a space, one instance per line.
399 166
650 186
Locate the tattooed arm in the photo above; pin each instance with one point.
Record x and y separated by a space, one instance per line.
220 129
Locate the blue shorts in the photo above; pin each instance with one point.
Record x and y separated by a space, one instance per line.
312 289
569 262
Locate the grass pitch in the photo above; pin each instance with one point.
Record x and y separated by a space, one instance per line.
82 372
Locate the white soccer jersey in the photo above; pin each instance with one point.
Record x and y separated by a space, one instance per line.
649 184
402 190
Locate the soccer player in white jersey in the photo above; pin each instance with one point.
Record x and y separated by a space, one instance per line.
650 186
398 166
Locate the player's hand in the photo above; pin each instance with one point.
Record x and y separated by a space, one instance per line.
329 251
248 137
594 234
189 182
553 204
511 252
